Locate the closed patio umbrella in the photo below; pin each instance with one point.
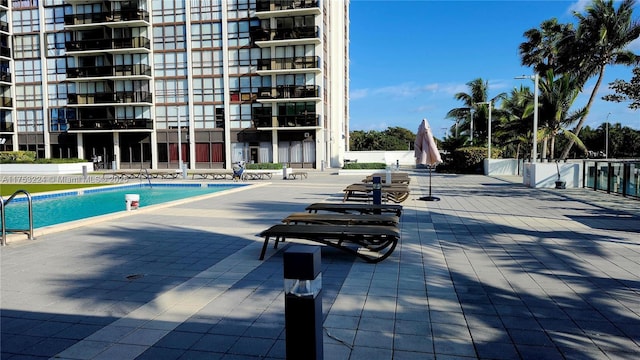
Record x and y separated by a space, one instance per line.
426 153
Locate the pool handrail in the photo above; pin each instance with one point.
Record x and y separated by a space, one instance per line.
3 203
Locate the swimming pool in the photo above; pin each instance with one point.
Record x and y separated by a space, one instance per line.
62 207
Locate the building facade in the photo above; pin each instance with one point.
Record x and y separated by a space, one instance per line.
136 83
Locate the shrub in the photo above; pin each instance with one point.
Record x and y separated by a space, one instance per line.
17 157
356 166
264 166
29 157
469 160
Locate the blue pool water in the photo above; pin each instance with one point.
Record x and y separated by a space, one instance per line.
63 207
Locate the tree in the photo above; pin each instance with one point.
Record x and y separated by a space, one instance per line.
514 130
602 36
541 50
394 138
472 108
558 94
626 91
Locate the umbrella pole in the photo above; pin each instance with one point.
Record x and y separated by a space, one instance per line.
429 198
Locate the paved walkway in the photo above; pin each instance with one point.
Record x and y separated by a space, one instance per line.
493 270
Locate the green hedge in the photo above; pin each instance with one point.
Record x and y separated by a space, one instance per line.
29 157
264 166
468 160
356 166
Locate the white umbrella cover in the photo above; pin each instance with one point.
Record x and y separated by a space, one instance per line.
426 150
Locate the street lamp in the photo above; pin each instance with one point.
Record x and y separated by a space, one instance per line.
606 143
490 103
536 79
179 141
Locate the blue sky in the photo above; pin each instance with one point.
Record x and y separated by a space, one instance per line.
409 58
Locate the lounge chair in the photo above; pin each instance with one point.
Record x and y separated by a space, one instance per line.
350 208
396 178
368 242
392 192
341 219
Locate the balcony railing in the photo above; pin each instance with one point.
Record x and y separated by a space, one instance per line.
5 51
107 71
108 44
290 63
620 177
110 97
302 32
265 121
288 92
105 17
298 120
6 101
275 5
4 26
110 124
5 76
6 126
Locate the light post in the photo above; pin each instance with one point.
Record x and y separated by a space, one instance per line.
179 142
471 124
606 140
490 103
536 79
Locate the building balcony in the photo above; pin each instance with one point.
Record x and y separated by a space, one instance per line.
6 126
5 77
6 102
290 64
259 35
125 97
108 44
269 8
288 92
104 18
109 71
4 27
308 120
5 51
98 124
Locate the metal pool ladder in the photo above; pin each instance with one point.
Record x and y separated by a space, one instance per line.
3 203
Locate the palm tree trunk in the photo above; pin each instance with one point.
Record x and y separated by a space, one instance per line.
576 131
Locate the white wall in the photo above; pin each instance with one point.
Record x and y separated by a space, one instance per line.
502 166
405 158
544 175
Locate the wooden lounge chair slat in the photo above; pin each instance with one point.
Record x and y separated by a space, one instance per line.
372 243
347 208
346 219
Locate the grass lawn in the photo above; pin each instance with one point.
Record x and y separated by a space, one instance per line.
7 189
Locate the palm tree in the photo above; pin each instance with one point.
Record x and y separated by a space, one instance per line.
601 39
557 96
472 111
542 48
516 119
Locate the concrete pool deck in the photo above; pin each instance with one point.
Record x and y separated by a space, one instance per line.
494 270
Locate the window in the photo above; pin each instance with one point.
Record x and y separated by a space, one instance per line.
28 71
170 64
207 35
206 10
25 21
26 46
169 37
238 33
56 44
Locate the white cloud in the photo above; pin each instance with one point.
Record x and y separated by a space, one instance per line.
358 94
579 6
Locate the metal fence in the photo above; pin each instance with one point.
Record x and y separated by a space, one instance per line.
620 177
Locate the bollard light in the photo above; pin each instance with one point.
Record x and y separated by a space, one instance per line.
303 302
377 190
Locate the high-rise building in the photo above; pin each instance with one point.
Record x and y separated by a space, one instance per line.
136 83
